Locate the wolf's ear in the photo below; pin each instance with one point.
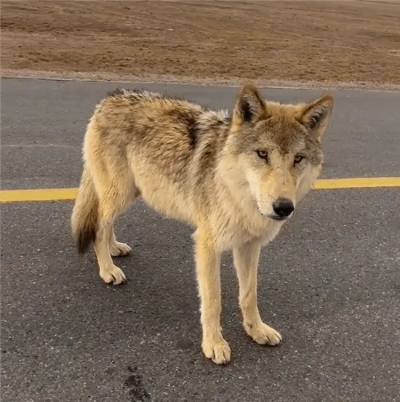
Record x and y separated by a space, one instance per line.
315 115
250 106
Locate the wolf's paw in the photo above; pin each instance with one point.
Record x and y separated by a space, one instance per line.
113 274
218 351
263 334
118 249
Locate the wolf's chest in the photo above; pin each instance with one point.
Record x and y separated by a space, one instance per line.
235 234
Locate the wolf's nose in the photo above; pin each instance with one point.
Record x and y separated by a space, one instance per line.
283 207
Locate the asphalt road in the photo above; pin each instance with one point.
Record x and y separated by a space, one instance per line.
330 282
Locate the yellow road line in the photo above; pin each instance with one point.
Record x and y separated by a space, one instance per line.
58 194
357 182
47 194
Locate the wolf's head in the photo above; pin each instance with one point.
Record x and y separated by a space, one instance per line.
276 149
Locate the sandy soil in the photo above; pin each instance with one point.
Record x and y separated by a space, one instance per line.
226 41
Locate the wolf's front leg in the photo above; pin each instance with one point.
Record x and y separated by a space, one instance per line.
208 275
246 263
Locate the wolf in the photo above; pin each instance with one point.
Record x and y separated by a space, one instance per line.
234 176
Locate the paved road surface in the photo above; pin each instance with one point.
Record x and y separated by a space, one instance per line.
330 282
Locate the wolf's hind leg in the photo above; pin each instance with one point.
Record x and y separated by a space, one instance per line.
118 249
108 271
115 197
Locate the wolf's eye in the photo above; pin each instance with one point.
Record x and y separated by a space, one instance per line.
298 159
263 154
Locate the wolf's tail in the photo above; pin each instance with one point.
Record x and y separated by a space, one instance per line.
84 219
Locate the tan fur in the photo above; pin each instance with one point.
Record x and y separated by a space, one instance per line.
229 176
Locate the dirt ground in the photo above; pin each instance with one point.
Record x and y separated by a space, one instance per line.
286 41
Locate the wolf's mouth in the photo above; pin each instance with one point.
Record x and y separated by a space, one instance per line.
278 218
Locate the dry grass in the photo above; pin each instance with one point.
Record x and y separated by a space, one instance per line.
350 41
